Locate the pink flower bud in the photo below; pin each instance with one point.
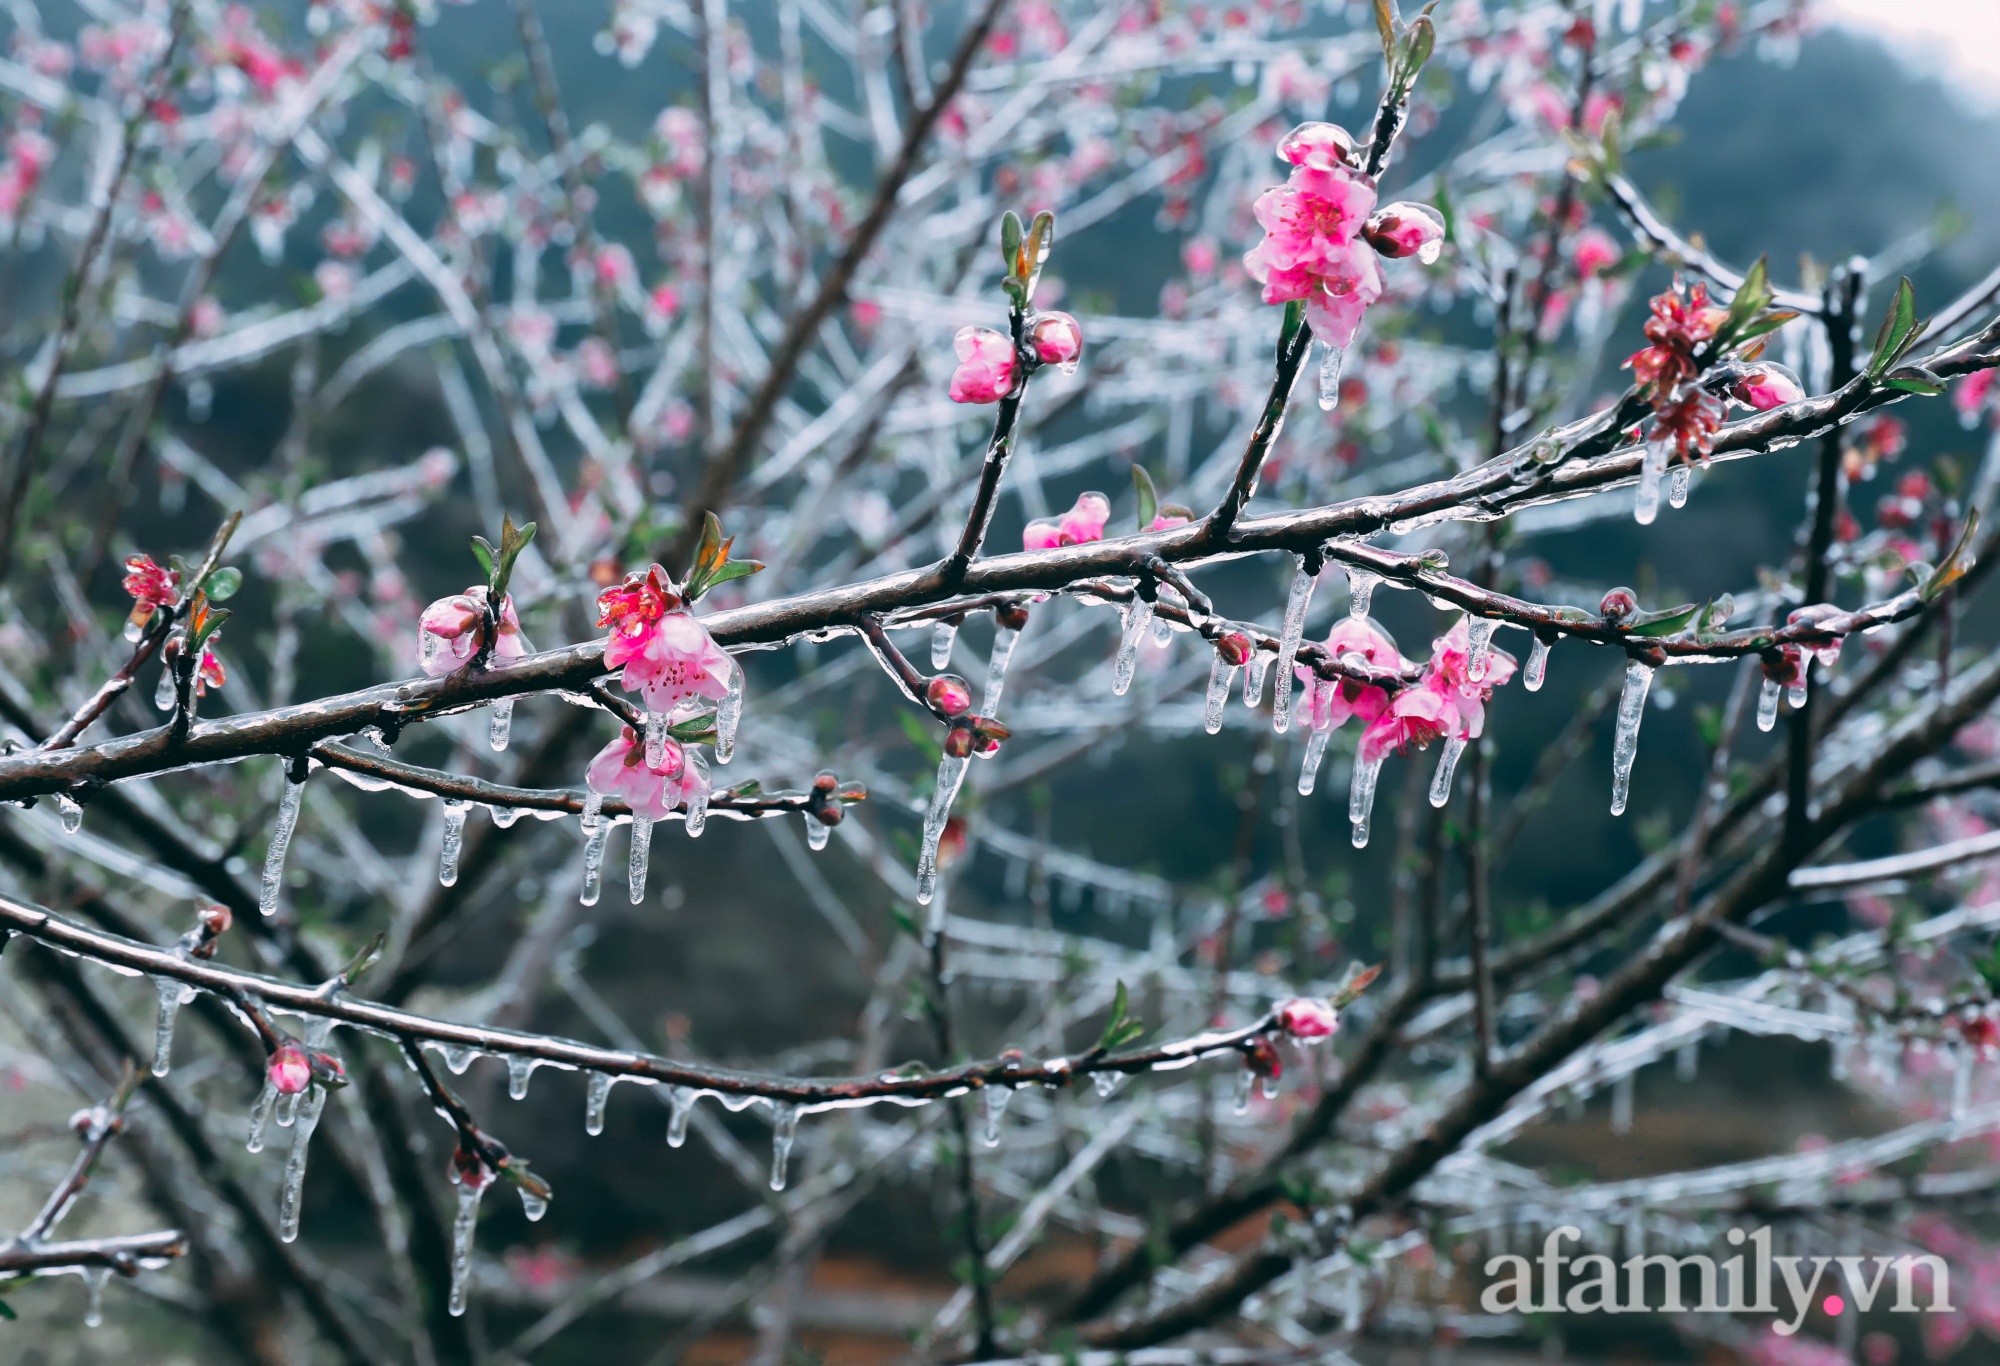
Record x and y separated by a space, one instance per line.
1260 1055
1041 534
1618 604
1766 386
289 1071
1594 253
958 742
1404 229
1234 647
1302 1017
1085 522
986 366
949 694
1319 146
1057 340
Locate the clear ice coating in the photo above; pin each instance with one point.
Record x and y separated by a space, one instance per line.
727 714
782 1137
679 1108
260 1117
1107 1082
1478 646
293 1189
173 995
71 811
1163 630
1288 646
943 636
461 1243
454 842
817 832
951 772
1677 485
533 1205
1315 752
1767 704
641 856
1244 1078
1796 694
281 841
458 1057
596 831
1625 740
519 1069
1253 678
1652 469
94 1278
1330 358
1447 767
996 1108
1221 676
1360 592
1004 640
656 740
695 788
1536 671
500 724
1361 796
594 1102
163 691
288 1109
1138 617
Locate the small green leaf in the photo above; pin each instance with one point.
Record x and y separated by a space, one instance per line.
1915 379
693 730
1667 623
1035 253
1752 297
1896 329
211 622
1010 241
1758 327
482 550
1957 564
1120 1002
223 583
1149 497
1423 37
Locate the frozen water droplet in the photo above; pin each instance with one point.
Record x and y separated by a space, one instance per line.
996 1108
641 854
505 816
1315 752
1253 679
817 832
1294 631
1107 1082
461 1243
293 1190
782 1138
1536 671
1221 675
71 812
94 1278
594 1102
596 831
454 842
173 995
1652 469
656 741
681 1106
533 1205
288 1109
1767 704
519 1069
1478 646
1677 485
1270 1088
1330 358
1004 640
1361 796
1360 592
458 1057
260 1116
1625 741
1447 767
1796 694
1244 1079
943 636
1163 630
1138 616
951 772
281 841
164 693
727 715
132 631
500 724
1429 252
695 788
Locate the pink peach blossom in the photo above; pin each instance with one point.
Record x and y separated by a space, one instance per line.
1303 1017
452 629
620 771
986 366
289 1070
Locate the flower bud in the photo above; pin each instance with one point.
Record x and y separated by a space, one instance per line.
1012 617
1260 1055
1765 386
289 1070
1234 647
1057 340
1302 1017
949 695
1618 604
1320 146
1405 229
986 366
958 742
215 920
328 1070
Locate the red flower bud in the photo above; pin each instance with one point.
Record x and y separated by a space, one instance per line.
1618 604
289 1071
1234 647
958 742
949 695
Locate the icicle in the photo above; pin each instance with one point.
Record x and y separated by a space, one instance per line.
656 741
1652 469
1288 647
1315 751
500 724
817 832
1767 704
173 995
1796 694
1004 640
94 1278
1163 630
281 840
295 1166
1625 743
727 715
1360 592
1361 797
454 842
458 1057
1536 671
1447 767
164 693
680 1107
519 1069
1221 676
1253 679
1245 1078
943 636
781 1144
695 787
505 816
594 1102
1107 1082
533 1205
596 831
642 849
1621 1105
461 1243
951 772
1478 646
260 1116
1137 618
1330 358
996 1108
1677 485
288 1109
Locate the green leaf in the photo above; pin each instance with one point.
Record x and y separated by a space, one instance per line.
1114 1027
1295 318
1667 623
1387 26
1423 37
482 550
712 564
1010 241
1896 329
223 583
1758 327
1149 497
1035 253
1752 297
1914 379
210 624
1957 564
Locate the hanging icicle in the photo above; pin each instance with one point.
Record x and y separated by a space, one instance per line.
1253 679
656 741
260 1117
454 842
943 636
1478 646
1221 677
461 1242
70 811
1138 616
281 840
173 995
94 1278
519 1069
640 856
1361 796
996 1109
817 832
1625 741
1677 485
1296 602
533 1206
293 1190
782 1137
1315 751
1767 703
1004 640
596 831
595 1099
695 788
500 724
727 715
1360 592
1447 767
1652 469
951 772
1330 358
1245 1078
1536 671
680 1107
